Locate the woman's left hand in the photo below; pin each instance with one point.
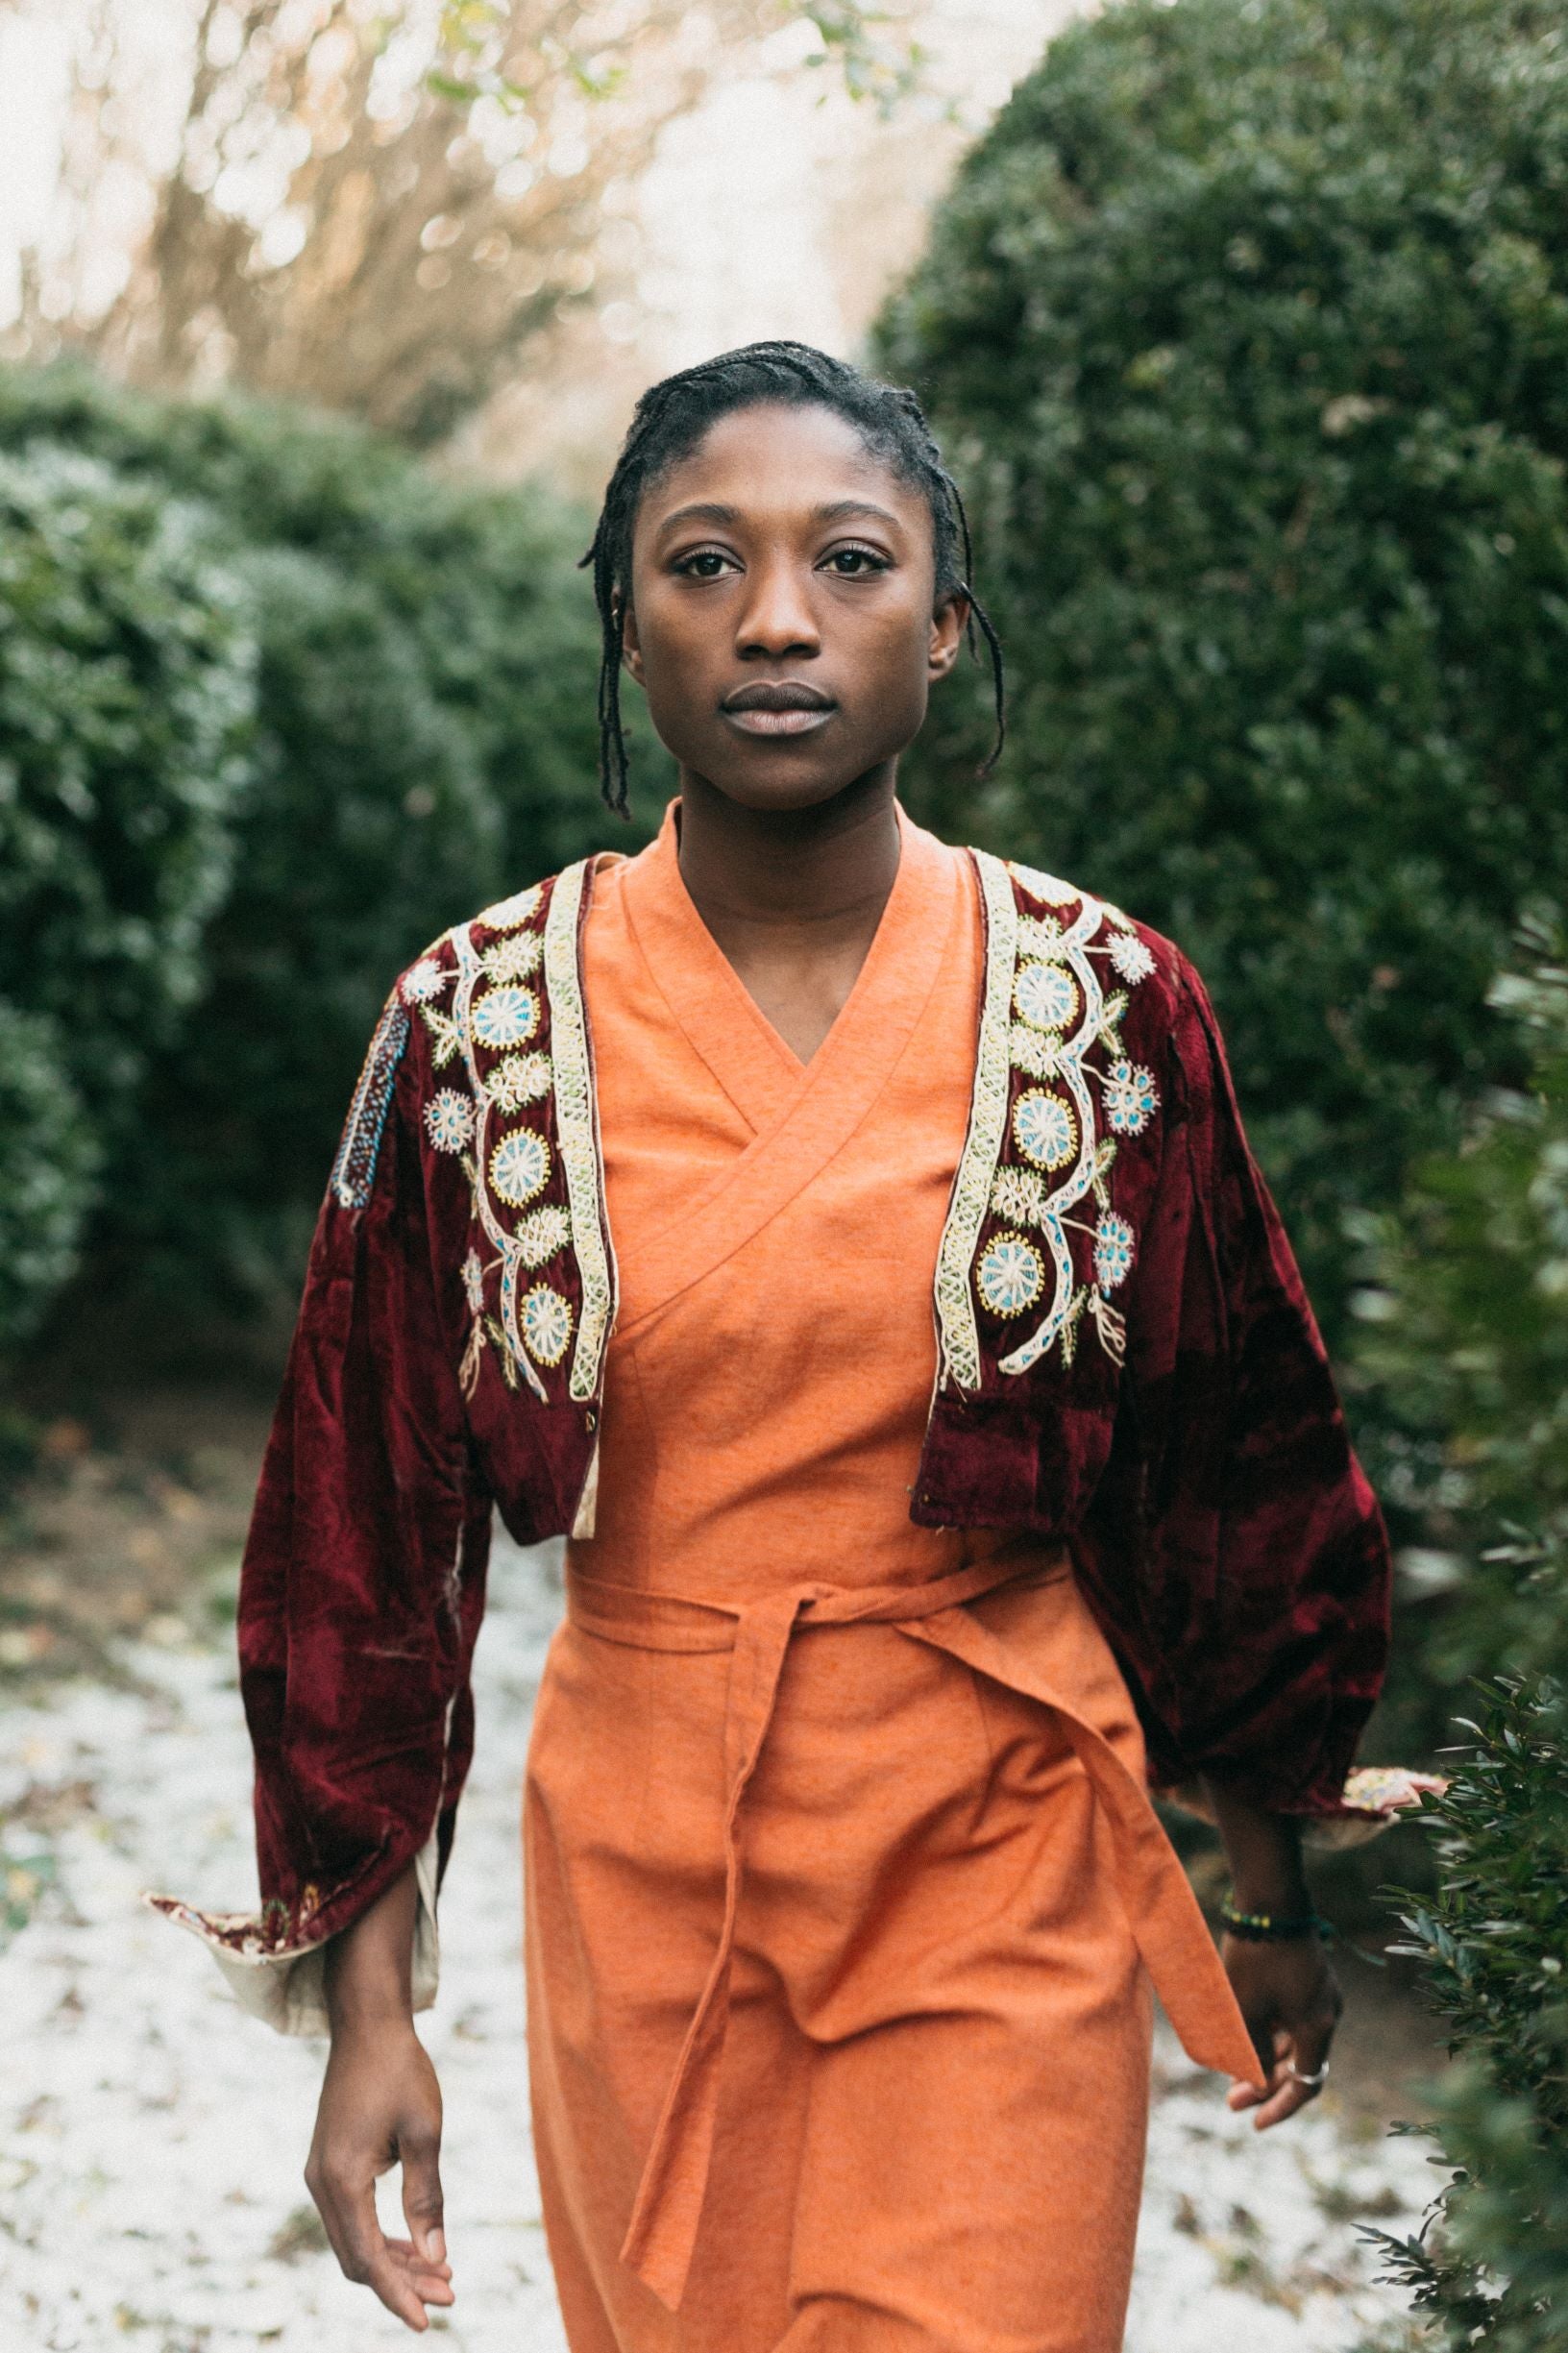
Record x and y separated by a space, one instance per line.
1291 2002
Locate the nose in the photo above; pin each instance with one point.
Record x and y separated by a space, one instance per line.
776 619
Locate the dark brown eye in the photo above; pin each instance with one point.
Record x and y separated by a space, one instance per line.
706 565
856 563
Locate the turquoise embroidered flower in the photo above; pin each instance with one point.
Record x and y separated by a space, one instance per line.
504 1017
544 1319
1131 1099
1045 996
449 1120
520 1166
1044 1129
1011 1275
1113 1251
1131 958
424 980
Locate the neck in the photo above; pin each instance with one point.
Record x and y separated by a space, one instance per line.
790 867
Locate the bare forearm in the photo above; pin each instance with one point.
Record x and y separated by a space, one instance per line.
1264 1851
370 1966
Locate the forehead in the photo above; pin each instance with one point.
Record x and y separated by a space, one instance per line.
772 461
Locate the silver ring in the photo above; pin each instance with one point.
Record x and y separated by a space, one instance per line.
1311 2083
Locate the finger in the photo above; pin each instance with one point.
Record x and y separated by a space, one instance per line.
405 2250
367 2259
422 2204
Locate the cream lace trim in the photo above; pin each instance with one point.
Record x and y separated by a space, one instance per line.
576 1127
956 1331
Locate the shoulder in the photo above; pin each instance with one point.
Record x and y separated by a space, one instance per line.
1048 919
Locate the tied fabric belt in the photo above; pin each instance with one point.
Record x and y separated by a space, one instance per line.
1162 1910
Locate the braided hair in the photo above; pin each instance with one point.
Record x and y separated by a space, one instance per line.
670 421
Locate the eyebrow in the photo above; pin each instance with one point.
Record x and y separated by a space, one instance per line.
838 511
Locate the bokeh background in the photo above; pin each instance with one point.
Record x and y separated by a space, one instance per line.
1245 325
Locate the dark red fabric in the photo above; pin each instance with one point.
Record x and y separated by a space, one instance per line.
1223 1532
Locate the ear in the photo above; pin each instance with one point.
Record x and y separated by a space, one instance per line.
948 623
632 651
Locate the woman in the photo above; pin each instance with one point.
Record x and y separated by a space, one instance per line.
944 1444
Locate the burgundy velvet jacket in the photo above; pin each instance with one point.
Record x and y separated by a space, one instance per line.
1126 1359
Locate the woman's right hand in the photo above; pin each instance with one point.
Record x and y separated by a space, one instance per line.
380 2106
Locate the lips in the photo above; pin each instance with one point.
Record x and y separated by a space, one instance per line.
781 706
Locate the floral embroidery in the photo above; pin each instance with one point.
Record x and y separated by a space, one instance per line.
508 913
543 1235
504 1017
449 1120
545 1318
1044 1129
1036 1053
474 1283
354 1171
517 1080
513 959
1010 1276
1131 1099
1040 935
520 1166
1131 958
1018 1195
1054 892
1045 996
1112 1250
424 980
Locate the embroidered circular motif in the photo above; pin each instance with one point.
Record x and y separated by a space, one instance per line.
507 912
474 1283
1131 1099
520 1166
542 1235
504 1017
1010 1276
545 1321
514 959
1131 958
424 980
1113 1251
518 1079
1045 996
1054 892
449 1120
1018 1195
1044 1129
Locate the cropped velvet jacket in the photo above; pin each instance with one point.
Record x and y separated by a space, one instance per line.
1125 1359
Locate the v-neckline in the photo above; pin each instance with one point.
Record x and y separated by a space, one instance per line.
723 1022
799 1113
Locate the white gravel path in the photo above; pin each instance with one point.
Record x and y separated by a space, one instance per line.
151 2136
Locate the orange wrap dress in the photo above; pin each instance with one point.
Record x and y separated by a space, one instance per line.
844 1892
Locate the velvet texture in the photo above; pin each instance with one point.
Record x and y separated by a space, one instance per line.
1222 1529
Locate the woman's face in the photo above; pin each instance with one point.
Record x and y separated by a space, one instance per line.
781 620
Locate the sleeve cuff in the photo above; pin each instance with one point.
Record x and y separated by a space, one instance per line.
287 1988
1371 1802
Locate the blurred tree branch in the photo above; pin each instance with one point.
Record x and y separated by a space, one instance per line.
379 209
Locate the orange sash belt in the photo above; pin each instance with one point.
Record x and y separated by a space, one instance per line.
1162 1910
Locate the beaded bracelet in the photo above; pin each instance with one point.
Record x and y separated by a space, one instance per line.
1273 1927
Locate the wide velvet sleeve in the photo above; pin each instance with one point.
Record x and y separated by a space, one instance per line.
363 1576
1256 1631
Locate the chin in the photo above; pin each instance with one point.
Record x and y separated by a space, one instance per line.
779 783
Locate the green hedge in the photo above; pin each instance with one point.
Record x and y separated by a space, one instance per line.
1247 327
126 688
420 737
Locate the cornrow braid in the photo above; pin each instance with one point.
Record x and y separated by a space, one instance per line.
668 424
